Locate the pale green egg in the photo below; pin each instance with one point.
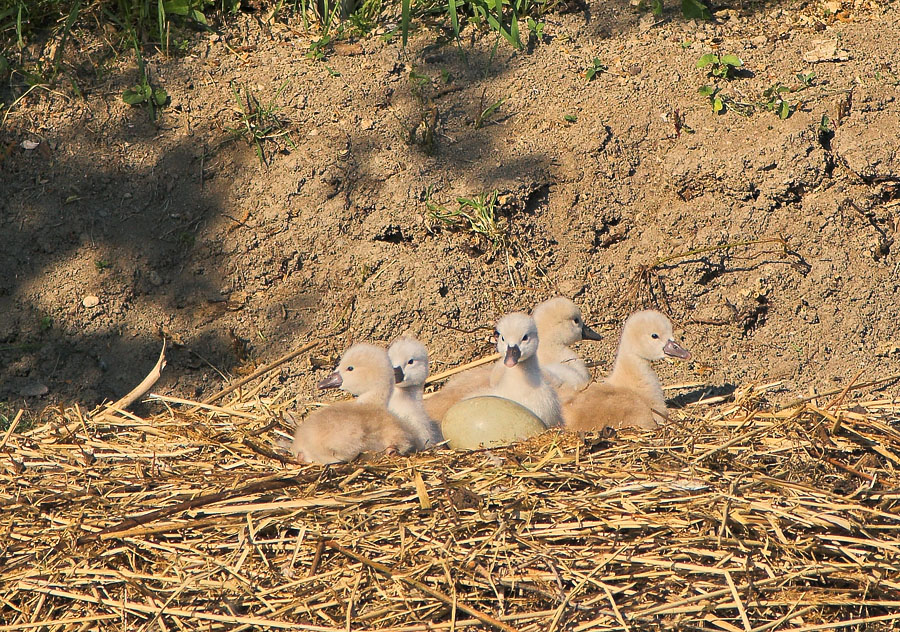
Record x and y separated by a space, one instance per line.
482 422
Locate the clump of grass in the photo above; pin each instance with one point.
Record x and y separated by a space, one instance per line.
478 216
259 122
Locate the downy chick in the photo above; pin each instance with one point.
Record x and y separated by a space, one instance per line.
410 360
521 379
559 324
341 431
631 395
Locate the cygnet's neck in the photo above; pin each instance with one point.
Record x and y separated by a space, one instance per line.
378 395
526 371
553 351
632 371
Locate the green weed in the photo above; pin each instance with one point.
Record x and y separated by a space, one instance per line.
259 122
478 216
486 112
724 67
594 69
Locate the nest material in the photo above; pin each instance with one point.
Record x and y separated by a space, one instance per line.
739 520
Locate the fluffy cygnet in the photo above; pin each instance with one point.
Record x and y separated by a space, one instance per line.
521 379
410 360
631 395
560 324
341 431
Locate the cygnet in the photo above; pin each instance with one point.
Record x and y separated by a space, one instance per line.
410 360
560 324
631 395
340 432
521 379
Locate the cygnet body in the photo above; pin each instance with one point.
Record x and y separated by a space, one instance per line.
560 324
521 379
410 360
343 430
631 395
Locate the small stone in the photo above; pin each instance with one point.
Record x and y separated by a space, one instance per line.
367 124
759 40
90 301
35 389
154 278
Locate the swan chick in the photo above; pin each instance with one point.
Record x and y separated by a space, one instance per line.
409 358
521 379
560 324
340 432
632 394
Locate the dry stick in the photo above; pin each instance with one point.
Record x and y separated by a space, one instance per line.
260 371
737 439
266 485
737 601
837 400
463 367
431 592
849 469
12 428
172 612
836 391
790 615
141 388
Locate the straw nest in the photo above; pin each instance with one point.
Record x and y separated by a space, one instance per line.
734 517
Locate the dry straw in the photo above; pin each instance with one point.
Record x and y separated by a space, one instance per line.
738 517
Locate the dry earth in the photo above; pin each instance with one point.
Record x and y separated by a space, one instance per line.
175 227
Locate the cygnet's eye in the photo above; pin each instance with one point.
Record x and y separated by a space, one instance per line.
411 361
654 336
349 368
525 337
577 321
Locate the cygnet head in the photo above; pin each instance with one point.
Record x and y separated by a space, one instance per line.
517 338
410 360
362 368
648 334
559 321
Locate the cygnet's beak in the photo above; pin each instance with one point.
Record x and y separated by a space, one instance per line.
589 334
398 375
675 350
512 356
332 381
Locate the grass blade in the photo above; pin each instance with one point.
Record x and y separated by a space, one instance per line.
404 21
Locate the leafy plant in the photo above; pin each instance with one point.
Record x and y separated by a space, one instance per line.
594 69
695 9
143 93
478 215
317 48
259 122
570 118
487 112
724 67
721 102
775 101
535 28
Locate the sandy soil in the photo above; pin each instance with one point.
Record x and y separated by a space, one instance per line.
175 227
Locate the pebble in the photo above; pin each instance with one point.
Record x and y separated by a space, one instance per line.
90 301
35 389
488 421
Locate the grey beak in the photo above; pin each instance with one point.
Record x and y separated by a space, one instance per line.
332 381
512 356
589 334
675 350
398 375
